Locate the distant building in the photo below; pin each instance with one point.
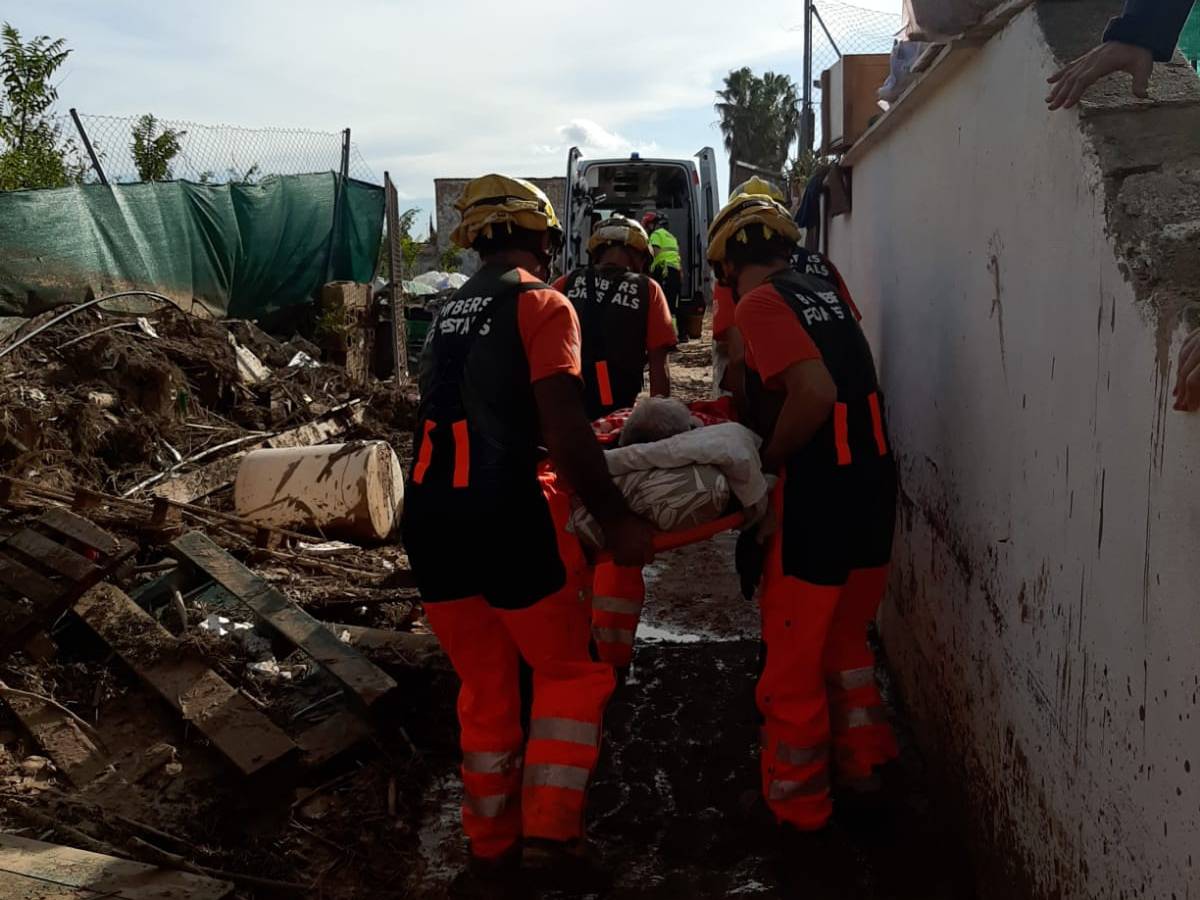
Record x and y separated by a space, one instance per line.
446 194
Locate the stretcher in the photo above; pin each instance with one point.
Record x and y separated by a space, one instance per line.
673 540
718 475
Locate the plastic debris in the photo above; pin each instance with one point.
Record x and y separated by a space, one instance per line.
326 548
302 361
222 626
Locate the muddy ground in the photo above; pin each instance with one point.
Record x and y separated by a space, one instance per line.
674 811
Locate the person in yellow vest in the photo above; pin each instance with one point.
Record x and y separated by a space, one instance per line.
667 264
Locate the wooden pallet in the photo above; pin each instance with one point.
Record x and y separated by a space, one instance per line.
234 726
218 581
45 568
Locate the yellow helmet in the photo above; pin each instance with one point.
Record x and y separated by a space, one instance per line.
619 230
502 200
744 210
758 185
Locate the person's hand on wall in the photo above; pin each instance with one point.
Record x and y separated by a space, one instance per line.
1112 56
1187 384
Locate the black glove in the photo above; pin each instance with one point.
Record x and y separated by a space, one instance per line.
749 559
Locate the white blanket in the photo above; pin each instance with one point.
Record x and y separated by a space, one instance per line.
685 480
731 447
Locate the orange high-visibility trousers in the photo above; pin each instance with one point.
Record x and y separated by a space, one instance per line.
862 736
817 691
514 783
618 593
791 695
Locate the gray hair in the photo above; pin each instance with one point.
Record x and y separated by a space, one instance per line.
654 419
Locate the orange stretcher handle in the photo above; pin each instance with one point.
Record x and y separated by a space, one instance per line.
672 540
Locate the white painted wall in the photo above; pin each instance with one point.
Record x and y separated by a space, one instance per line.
1044 622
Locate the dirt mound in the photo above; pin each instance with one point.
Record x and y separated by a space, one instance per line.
104 400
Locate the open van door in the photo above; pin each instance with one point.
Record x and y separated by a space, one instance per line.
709 206
570 252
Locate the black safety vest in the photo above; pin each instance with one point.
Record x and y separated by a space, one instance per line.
613 305
477 425
810 262
476 520
840 491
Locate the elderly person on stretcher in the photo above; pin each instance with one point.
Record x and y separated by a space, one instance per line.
675 481
691 472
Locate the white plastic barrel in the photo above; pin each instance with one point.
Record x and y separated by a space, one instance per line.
350 491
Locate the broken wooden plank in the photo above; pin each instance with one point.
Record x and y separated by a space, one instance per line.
96 875
18 577
73 752
331 738
199 483
53 556
22 887
77 528
234 726
357 675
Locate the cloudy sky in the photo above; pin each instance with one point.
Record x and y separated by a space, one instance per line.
431 89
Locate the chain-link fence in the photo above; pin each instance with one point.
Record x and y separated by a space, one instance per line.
145 148
840 29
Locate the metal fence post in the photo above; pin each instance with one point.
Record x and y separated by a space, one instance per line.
339 202
807 122
88 146
396 285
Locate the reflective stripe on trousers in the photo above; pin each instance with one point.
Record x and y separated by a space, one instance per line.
852 679
571 778
572 731
613 636
780 790
800 756
859 717
485 762
617 605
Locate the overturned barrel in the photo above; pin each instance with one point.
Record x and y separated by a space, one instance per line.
351 491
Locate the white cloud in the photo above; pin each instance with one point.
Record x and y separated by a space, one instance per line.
586 133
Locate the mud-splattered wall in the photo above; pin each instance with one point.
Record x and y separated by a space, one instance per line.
1023 275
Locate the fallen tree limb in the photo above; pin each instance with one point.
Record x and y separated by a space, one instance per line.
166 859
29 695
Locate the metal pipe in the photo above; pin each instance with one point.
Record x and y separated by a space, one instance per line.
806 117
88 146
74 309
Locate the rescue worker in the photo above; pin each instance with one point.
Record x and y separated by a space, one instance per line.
728 350
625 322
815 399
666 264
624 316
500 579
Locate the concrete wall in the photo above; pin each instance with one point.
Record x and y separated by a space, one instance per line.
1022 274
448 190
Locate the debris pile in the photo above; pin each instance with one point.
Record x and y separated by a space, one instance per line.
180 685
108 400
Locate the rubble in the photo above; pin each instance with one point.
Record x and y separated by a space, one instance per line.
160 654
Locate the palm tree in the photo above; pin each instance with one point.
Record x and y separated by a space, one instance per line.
759 117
